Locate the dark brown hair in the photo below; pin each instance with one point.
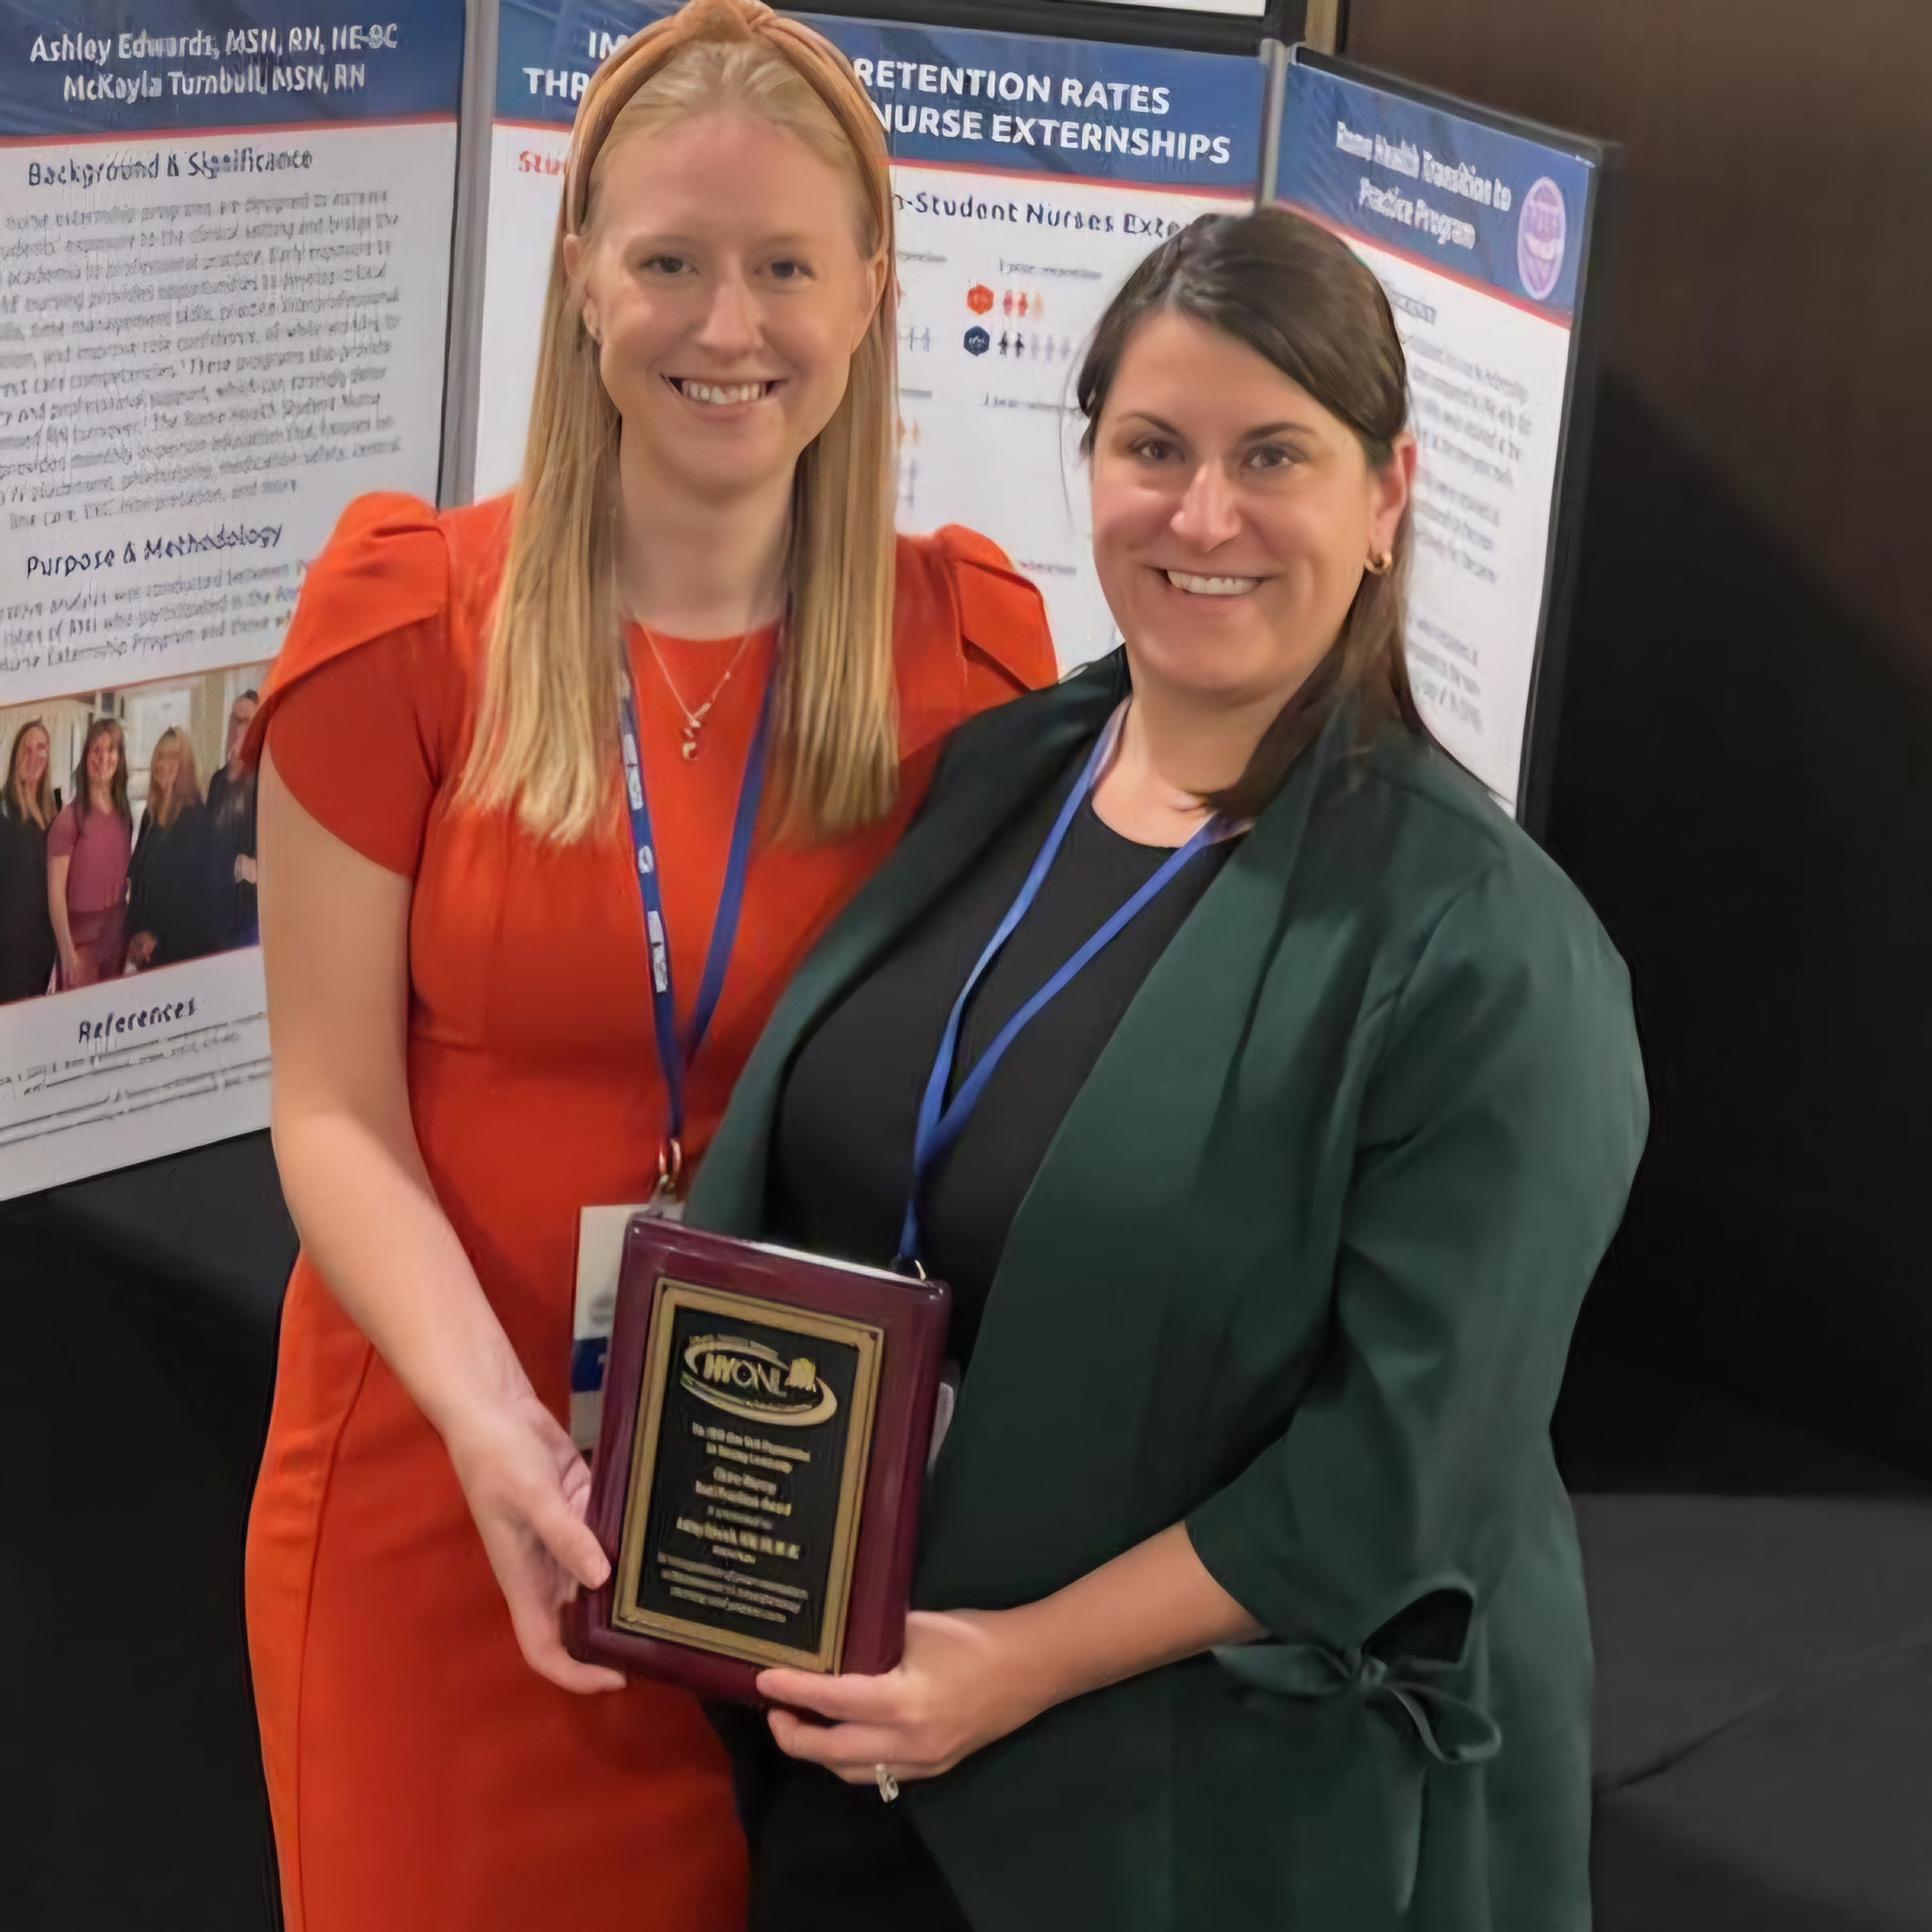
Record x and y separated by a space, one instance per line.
1301 299
103 727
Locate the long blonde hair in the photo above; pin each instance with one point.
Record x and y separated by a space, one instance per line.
546 734
186 788
39 807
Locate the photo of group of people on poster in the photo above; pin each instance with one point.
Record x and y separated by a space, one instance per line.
127 831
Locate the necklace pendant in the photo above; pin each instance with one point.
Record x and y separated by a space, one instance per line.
689 746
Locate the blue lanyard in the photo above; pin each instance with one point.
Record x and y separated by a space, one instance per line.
940 1125
675 1053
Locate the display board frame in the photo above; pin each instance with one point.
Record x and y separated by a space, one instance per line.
1125 22
226 315
1542 710
462 354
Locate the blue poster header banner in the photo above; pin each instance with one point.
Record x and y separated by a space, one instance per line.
1006 103
125 67
546 53
1086 109
1496 208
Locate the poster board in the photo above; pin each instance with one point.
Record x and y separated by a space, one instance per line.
545 55
1482 230
1031 174
225 245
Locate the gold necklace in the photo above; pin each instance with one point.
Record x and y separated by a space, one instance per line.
693 720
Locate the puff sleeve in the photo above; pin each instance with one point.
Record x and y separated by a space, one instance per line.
364 707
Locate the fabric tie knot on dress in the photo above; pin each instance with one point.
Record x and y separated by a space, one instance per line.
1411 1692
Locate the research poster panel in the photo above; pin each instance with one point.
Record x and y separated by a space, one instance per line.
545 55
1479 237
225 242
1031 175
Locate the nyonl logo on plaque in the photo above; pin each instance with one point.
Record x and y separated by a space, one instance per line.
747 1378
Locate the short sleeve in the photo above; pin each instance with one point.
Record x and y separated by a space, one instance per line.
363 709
349 743
64 834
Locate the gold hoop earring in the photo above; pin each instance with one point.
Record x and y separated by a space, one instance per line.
1380 565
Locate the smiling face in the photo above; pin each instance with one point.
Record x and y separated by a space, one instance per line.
103 758
1233 515
165 769
723 280
35 748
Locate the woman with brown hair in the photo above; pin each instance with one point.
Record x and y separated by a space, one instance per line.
26 810
1250 1599
87 858
555 792
231 804
178 899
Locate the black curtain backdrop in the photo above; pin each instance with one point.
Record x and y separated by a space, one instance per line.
1743 779
134 1392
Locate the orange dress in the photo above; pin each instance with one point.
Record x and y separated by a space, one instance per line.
422 1778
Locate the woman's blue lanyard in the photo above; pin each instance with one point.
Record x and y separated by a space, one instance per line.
940 1125
676 1052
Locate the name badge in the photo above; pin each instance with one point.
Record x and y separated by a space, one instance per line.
943 1405
600 1253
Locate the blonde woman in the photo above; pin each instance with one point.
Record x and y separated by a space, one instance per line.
178 899
693 633
27 812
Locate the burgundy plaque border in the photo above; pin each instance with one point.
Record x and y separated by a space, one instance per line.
911 1316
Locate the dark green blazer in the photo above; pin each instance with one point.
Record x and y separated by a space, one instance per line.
1300 1269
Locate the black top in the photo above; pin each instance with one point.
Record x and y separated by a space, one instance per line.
180 888
26 926
842 1159
231 802
825 1853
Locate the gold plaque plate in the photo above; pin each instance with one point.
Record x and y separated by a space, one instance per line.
748 1469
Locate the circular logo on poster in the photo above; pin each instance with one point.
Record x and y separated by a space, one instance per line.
1542 232
977 341
979 298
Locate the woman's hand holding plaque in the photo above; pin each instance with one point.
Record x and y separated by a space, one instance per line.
527 1487
965 1680
970 1677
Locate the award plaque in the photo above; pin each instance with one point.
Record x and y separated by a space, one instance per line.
756 1486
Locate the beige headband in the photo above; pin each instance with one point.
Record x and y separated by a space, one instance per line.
816 61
